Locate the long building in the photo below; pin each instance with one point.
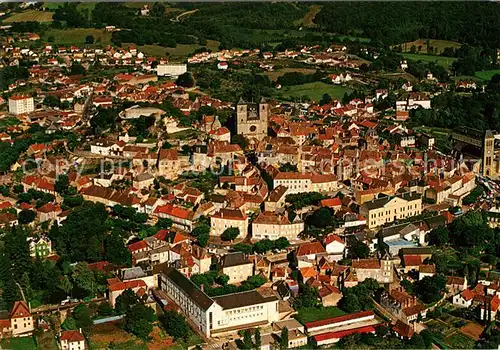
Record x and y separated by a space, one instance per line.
222 314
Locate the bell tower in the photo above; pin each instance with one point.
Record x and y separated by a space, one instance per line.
251 118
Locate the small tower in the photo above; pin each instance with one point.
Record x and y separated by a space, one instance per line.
251 119
488 154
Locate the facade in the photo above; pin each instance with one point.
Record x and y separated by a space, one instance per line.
171 70
388 209
226 218
40 246
223 314
19 322
269 225
237 267
381 270
19 104
251 119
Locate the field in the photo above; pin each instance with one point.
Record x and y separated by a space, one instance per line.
24 343
487 74
441 60
308 20
459 341
313 91
179 51
30 16
314 314
46 341
278 73
440 45
473 330
104 334
76 36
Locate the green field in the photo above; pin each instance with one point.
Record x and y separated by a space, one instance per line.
76 36
314 91
179 51
21 343
438 45
487 74
460 341
441 60
312 314
30 16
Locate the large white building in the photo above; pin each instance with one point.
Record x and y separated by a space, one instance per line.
19 104
223 314
306 182
270 225
171 70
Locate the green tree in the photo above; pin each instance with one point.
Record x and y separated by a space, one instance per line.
105 309
69 324
115 250
65 285
230 234
430 289
175 325
284 339
439 236
258 339
62 184
139 320
357 249
26 216
247 339
185 80
81 314
84 278
89 39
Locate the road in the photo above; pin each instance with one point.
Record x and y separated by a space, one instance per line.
51 308
178 17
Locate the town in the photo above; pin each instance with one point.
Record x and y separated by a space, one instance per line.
312 196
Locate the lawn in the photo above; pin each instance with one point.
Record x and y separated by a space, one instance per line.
440 45
487 74
441 60
314 91
21 343
30 16
280 72
76 36
179 51
460 341
312 314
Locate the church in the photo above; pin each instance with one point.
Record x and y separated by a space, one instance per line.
251 119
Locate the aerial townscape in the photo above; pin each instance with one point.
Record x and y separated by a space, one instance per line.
264 175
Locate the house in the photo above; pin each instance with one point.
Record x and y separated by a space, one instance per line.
40 246
169 164
226 218
464 299
271 225
237 266
334 244
329 295
17 323
181 217
215 316
391 208
310 250
116 287
72 340
380 270
402 305
455 284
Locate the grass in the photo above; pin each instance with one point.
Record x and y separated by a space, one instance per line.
440 45
183 134
441 60
487 74
460 341
46 341
312 314
278 73
30 16
314 91
180 50
21 343
76 36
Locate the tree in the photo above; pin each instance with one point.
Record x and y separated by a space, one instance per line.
89 39
69 324
203 239
115 250
230 234
281 243
84 278
439 236
284 338
320 218
247 339
175 325
77 69
357 249
430 288
139 320
325 99
26 216
258 339
65 285
62 184
105 309
350 303
240 140
81 314
125 301
185 80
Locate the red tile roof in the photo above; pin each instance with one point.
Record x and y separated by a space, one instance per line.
72 336
366 264
127 285
137 246
331 202
310 248
338 319
341 334
412 260
20 309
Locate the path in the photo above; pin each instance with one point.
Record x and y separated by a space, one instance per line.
178 17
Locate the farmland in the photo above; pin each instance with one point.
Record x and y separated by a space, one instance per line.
30 16
441 60
278 73
438 45
487 74
179 51
313 91
76 36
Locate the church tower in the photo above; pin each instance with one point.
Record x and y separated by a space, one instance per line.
251 119
488 154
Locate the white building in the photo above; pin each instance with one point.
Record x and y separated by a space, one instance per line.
171 70
223 314
72 340
226 218
19 104
270 225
